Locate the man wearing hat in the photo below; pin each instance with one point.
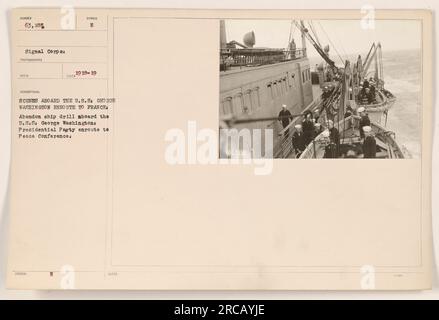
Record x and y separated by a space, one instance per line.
364 121
308 128
298 140
331 150
365 83
329 147
317 129
349 111
326 94
334 135
369 144
316 115
285 116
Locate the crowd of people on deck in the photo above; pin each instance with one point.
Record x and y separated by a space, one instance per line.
367 94
310 128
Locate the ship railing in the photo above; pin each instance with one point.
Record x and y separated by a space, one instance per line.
284 148
319 142
352 122
257 57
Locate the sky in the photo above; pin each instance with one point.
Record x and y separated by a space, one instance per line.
347 36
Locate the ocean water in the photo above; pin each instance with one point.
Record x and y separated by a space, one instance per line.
402 76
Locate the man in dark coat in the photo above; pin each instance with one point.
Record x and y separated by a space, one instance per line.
330 148
285 116
334 138
365 84
298 140
364 121
372 95
317 129
369 144
349 111
362 96
316 115
308 128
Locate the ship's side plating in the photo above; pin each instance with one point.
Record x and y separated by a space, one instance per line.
260 91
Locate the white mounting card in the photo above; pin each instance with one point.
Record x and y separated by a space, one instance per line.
121 177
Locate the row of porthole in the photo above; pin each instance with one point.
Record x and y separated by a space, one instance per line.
245 103
242 102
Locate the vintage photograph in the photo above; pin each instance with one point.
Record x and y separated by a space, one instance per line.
323 88
147 146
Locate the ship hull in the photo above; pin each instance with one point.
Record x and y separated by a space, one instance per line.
260 91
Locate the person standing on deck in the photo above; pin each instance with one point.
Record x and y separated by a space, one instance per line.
292 49
369 144
298 140
325 94
330 149
362 96
285 116
359 68
365 84
364 121
229 62
334 137
349 111
308 128
372 95
317 129
316 115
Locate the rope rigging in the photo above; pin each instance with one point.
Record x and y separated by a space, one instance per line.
343 91
318 48
329 40
291 34
311 27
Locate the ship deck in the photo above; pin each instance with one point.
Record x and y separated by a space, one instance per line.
243 68
387 147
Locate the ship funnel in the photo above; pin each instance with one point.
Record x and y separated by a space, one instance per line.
223 37
249 39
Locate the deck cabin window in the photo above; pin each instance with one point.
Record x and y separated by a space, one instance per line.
278 89
227 106
247 107
270 90
306 76
238 104
292 80
255 98
284 84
